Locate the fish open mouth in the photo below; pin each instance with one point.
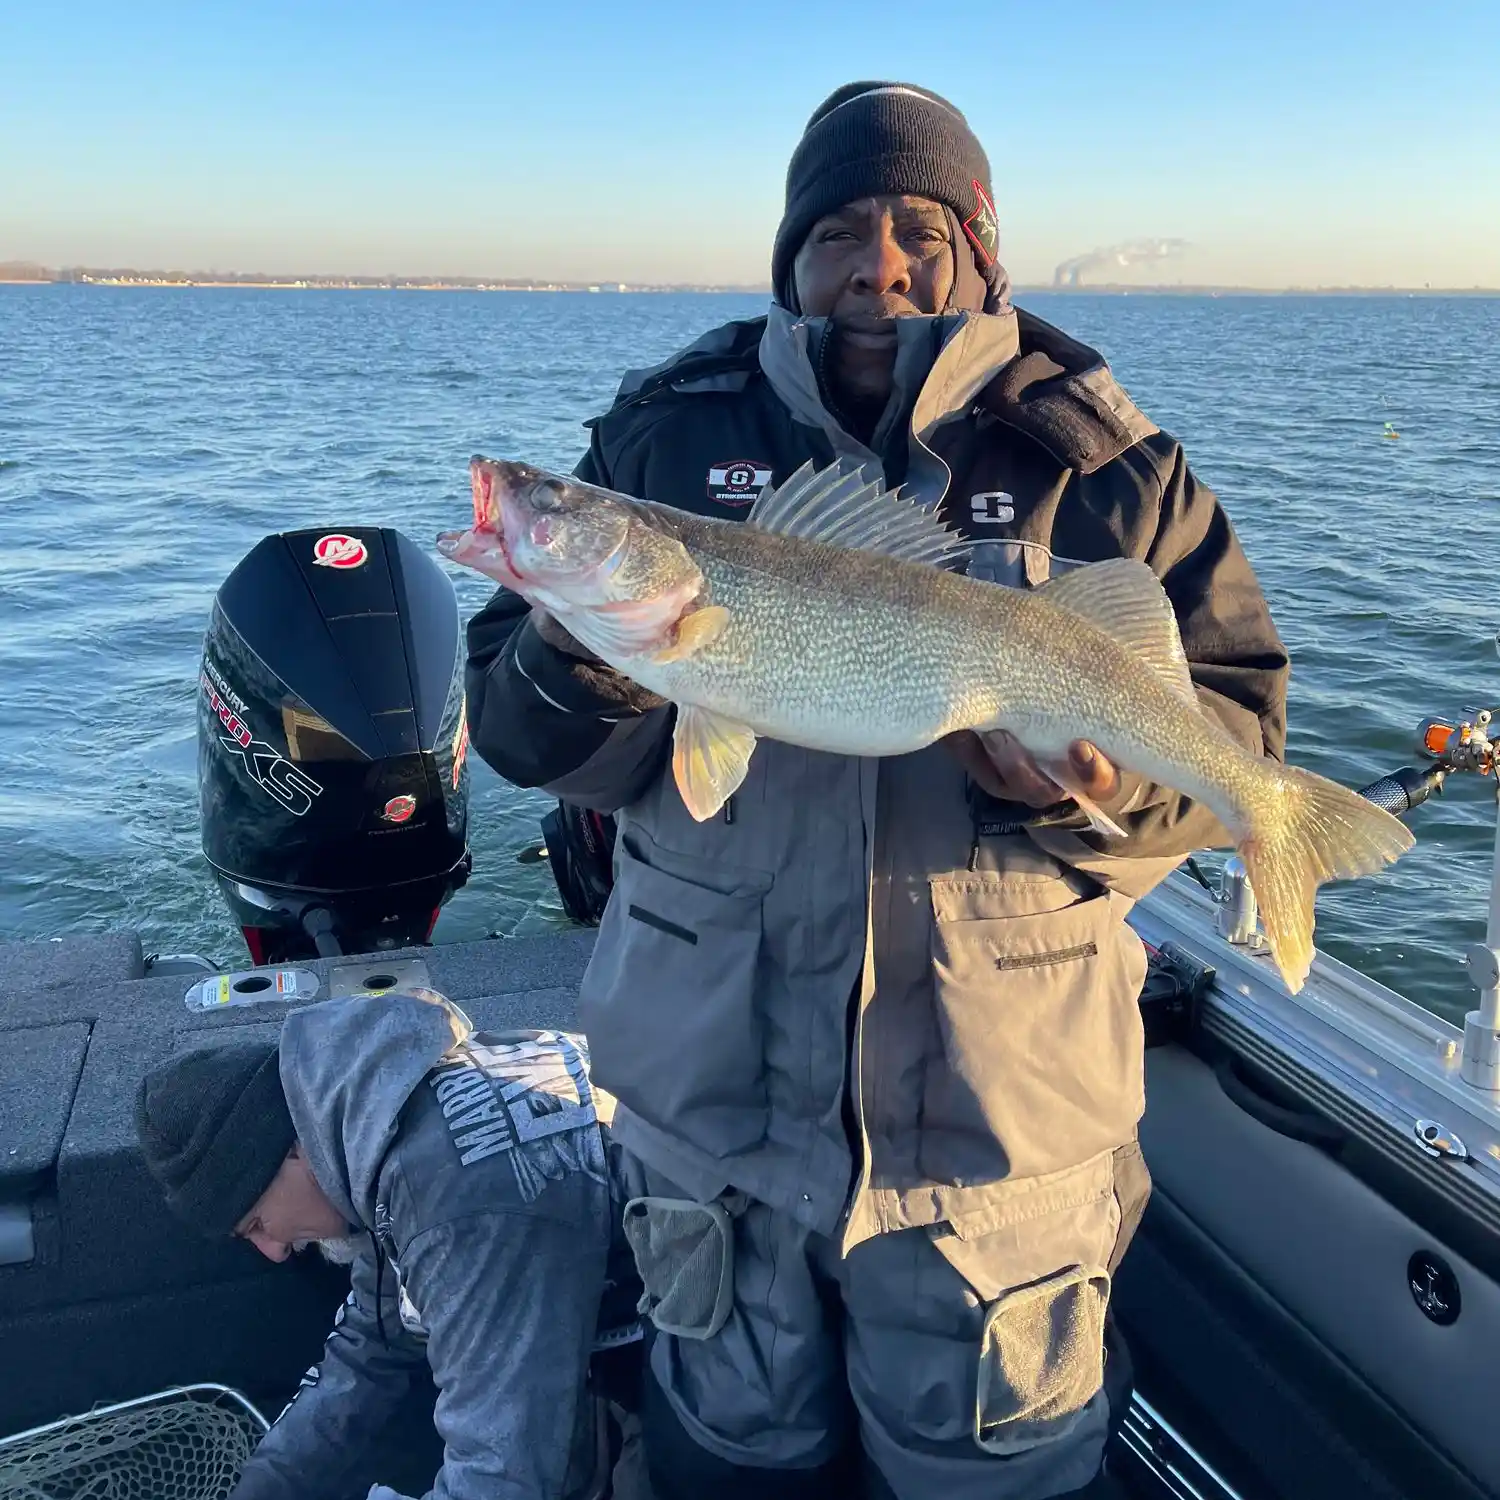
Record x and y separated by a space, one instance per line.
489 511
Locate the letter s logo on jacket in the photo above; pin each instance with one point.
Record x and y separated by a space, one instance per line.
738 481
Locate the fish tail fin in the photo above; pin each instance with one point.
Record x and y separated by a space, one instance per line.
1320 831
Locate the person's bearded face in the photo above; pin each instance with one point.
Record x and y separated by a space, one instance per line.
337 1251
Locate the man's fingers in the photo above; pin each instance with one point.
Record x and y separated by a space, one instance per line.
1097 776
1001 765
1024 780
972 756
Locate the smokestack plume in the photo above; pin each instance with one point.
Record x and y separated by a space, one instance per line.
1130 253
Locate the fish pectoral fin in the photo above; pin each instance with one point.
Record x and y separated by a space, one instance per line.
842 506
710 757
695 631
1063 776
1125 599
627 627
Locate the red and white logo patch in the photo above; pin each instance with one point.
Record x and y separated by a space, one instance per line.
339 551
399 809
738 481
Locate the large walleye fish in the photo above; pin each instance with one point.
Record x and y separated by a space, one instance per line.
830 618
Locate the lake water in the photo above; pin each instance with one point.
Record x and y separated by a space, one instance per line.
149 437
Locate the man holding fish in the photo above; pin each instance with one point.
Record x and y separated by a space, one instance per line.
864 988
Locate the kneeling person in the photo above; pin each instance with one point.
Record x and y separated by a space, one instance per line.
465 1175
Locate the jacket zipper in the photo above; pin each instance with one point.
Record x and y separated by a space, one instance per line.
866 1165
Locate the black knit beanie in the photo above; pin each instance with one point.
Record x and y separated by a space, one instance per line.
871 138
214 1128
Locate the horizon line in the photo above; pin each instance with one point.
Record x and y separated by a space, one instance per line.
33 273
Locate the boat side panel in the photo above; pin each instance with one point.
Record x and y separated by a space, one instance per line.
1316 1249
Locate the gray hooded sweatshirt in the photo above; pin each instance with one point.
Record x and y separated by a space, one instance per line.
475 1163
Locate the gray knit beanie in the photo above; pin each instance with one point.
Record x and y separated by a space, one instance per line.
872 138
214 1128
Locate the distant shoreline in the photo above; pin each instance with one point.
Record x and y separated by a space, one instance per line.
172 279
23 274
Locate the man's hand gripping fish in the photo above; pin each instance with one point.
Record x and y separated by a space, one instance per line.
829 619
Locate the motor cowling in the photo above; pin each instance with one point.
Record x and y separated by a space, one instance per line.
332 743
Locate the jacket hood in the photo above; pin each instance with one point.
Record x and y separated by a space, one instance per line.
348 1067
1061 393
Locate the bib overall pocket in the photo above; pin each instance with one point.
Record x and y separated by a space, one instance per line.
1037 1260
669 999
1042 1054
684 1254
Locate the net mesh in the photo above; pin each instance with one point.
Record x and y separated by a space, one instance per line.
183 1445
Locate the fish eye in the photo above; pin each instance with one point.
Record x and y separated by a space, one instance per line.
547 496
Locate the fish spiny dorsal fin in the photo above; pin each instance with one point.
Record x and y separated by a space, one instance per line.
843 507
1125 599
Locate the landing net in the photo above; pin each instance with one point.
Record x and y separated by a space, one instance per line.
189 1443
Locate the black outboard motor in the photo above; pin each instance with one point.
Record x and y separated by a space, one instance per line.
580 847
332 744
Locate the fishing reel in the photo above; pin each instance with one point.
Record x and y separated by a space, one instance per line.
1472 746
1466 746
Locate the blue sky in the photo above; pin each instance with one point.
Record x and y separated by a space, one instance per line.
1313 143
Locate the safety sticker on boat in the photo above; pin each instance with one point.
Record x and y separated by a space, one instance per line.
251 987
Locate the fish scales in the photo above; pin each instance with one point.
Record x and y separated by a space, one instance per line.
874 656
867 648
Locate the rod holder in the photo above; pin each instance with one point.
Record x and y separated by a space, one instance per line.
1237 917
1480 1064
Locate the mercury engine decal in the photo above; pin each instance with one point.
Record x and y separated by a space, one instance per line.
399 809
336 550
265 765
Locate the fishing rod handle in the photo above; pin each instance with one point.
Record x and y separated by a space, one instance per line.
1404 789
